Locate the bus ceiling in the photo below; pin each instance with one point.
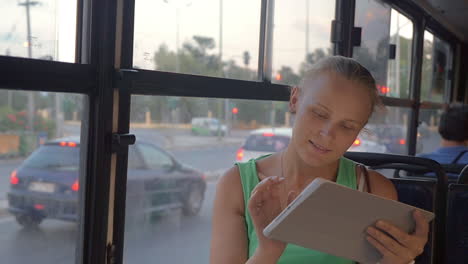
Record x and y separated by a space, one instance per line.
451 14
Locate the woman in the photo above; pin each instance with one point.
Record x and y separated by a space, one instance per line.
332 104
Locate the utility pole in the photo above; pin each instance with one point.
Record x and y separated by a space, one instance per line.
307 29
177 38
9 92
31 105
59 118
227 113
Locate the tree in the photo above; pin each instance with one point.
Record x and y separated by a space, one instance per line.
287 76
312 58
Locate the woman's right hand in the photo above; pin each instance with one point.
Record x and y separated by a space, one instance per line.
264 206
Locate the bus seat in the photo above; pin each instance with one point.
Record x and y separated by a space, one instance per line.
463 177
457 228
428 193
419 193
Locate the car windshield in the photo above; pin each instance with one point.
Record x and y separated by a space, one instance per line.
50 157
266 143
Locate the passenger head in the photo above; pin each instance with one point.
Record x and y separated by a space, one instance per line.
332 104
453 124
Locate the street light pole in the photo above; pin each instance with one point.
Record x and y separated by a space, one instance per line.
227 113
178 5
177 38
307 29
31 105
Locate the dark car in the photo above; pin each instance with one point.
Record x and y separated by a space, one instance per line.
394 137
46 184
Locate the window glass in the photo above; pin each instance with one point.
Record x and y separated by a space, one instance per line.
43 29
41 183
428 130
373 16
386 132
134 159
399 68
168 215
54 157
437 64
301 36
198 37
154 158
266 142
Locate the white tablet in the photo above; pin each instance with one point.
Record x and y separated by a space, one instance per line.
333 219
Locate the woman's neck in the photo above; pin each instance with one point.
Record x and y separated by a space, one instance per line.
299 174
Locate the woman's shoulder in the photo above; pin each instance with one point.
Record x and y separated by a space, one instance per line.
382 186
229 189
379 184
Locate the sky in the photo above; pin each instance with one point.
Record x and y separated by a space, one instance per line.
53 25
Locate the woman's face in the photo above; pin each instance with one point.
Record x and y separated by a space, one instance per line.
330 113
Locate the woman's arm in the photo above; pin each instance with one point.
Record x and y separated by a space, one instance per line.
229 234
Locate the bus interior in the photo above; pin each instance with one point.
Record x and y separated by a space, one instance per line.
117 117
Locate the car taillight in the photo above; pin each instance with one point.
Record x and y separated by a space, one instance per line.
67 144
76 186
14 178
240 154
39 206
357 142
402 142
268 134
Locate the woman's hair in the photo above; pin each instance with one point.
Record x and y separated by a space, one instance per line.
454 123
349 69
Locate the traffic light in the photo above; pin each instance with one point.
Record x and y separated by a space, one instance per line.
235 110
278 77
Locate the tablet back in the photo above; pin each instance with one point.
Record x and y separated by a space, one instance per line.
333 219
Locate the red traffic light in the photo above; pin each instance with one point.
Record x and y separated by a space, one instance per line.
235 110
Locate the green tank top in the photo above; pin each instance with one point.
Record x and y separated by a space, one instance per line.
293 253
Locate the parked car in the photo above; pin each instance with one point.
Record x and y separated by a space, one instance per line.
269 140
206 126
46 184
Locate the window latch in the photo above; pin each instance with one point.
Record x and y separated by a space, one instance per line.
122 141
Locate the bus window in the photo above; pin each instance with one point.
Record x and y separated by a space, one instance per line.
386 131
428 129
437 63
169 209
301 37
39 29
399 68
374 18
40 158
198 37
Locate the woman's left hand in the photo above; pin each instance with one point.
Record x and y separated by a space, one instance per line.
399 247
